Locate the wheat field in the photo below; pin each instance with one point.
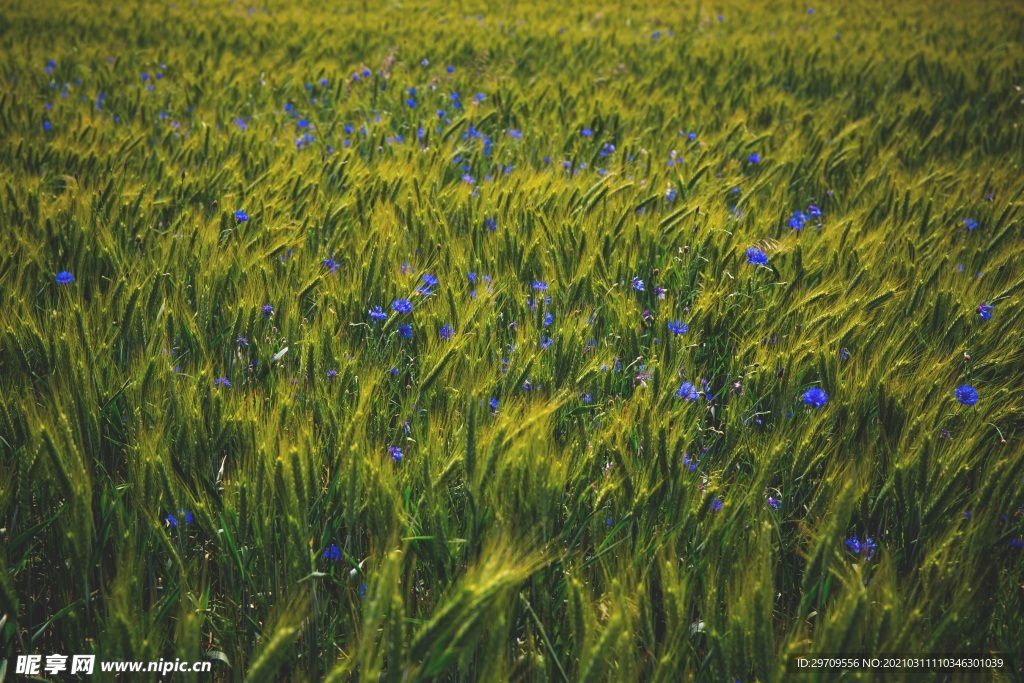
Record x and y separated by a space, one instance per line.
527 341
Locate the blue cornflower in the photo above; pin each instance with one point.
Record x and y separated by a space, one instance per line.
65 278
515 134
691 463
797 221
242 341
844 354
638 284
966 395
493 403
813 210
1017 543
396 453
970 223
405 331
548 319
222 382
172 521
545 342
687 391
586 132
716 504
47 125
670 194
402 305
540 285
706 387
332 553
491 224
754 158
985 311
331 265
376 313
332 373
756 256
815 397
411 102
865 548
775 503
527 385
678 327
446 332
429 282
268 310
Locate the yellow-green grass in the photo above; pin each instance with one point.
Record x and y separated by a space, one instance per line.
569 534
